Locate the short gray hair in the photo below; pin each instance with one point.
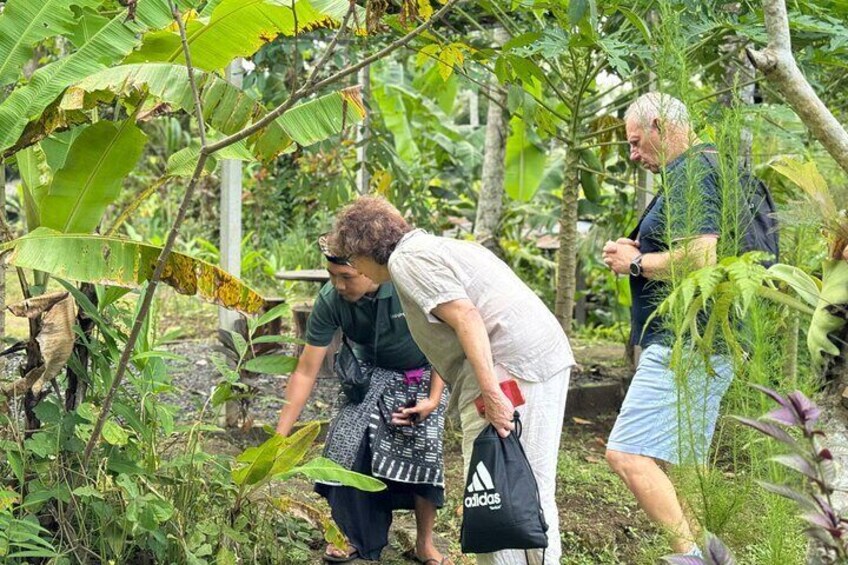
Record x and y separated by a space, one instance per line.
654 105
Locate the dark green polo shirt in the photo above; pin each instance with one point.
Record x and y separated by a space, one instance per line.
360 321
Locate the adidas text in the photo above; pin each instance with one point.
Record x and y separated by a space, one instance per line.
492 500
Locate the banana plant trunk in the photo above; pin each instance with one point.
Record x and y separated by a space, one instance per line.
77 384
567 255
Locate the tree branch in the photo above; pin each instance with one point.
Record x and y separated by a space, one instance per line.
311 88
187 52
150 291
778 65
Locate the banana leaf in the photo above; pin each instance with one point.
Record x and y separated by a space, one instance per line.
24 23
90 180
183 162
129 264
107 46
525 163
226 108
236 28
35 179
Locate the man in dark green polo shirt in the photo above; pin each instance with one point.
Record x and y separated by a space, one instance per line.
373 437
389 345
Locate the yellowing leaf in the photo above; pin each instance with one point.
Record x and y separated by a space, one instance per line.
425 9
381 181
450 56
128 264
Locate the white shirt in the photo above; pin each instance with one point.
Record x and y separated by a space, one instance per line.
526 339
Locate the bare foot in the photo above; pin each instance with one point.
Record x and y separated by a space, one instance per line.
427 551
339 554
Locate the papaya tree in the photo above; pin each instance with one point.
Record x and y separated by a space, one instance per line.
552 76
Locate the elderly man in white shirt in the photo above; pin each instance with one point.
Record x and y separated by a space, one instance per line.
478 324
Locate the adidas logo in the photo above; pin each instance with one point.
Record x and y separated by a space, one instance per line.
477 490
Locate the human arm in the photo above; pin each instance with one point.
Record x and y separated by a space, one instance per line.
465 320
300 385
696 252
424 407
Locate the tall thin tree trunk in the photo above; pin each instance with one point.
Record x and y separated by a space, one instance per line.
567 254
490 202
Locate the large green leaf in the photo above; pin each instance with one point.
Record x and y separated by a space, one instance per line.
393 110
128 264
294 448
807 287
104 48
829 316
806 175
226 108
24 23
257 462
323 469
525 163
90 180
276 364
183 162
236 28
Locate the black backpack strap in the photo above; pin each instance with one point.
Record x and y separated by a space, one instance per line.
635 233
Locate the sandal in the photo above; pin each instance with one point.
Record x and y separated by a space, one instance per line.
347 557
429 561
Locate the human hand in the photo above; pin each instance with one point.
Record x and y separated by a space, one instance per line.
498 410
412 415
617 255
845 253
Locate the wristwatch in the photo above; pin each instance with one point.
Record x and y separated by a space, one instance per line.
636 266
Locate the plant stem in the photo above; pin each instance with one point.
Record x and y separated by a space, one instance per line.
150 291
312 87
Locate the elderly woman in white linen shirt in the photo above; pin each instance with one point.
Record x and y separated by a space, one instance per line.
478 324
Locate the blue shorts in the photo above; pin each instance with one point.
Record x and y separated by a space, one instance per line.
667 416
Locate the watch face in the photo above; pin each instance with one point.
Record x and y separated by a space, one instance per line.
635 269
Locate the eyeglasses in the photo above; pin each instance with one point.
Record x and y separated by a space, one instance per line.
324 246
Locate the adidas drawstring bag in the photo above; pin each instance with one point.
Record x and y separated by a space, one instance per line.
501 506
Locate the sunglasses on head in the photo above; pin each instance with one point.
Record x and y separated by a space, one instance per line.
324 245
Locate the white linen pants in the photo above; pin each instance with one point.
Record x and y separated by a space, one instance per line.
541 419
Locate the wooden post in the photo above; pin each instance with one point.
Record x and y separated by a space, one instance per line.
230 232
230 220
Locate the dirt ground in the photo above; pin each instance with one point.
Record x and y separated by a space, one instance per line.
600 522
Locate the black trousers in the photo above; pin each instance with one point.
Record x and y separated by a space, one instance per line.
365 517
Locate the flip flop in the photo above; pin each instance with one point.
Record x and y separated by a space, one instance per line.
328 558
429 561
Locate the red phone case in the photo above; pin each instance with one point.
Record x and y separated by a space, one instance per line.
510 389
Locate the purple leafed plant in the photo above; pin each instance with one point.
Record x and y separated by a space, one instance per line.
808 458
